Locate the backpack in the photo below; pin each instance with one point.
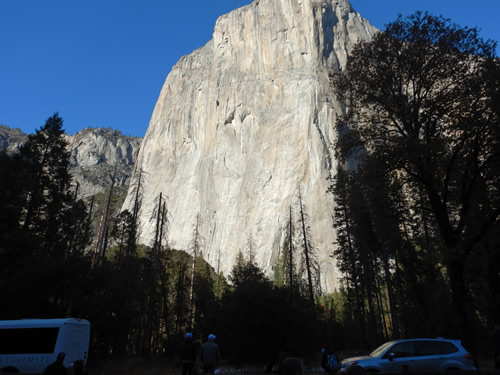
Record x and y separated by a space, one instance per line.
331 362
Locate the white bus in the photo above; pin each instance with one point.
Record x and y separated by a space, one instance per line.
29 345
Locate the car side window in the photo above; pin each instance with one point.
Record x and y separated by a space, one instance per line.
428 348
403 349
447 347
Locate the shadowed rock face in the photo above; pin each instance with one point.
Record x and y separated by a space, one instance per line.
246 121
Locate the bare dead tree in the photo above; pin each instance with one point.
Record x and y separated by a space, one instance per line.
196 247
308 251
102 232
290 251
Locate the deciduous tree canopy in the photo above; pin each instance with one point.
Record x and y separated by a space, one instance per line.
421 103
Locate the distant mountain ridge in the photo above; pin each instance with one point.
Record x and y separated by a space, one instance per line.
95 152
11 138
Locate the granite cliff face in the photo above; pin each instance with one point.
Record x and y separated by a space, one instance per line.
246 121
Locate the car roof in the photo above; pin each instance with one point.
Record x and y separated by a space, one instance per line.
428 339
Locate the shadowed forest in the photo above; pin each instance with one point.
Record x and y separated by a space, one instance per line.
417 222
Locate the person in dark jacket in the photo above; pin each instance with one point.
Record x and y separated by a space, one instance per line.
57 367
284 354
329 360
188 354
292 366
209 355
495 345
79 367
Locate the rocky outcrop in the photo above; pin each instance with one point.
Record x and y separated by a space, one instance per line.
98 154
11 139
95 153
246 121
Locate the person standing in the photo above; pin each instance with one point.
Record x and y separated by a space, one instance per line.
329 360
79 367
292 366
57 368
284 354
188 354
209 355
495 345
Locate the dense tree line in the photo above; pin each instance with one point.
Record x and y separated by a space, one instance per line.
61 256
417 192
43 226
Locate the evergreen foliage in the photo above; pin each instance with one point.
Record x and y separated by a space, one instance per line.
260 320
43 227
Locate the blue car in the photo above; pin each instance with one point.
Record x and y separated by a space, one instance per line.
414 355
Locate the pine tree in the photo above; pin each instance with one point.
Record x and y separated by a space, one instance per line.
290 256
133 230
12 179
347 253
46 256
119 233
48 195
245 271
286 272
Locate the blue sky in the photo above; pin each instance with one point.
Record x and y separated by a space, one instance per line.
103 62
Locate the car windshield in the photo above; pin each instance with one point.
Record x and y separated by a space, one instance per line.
381 349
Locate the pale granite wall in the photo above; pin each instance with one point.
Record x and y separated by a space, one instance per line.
246 120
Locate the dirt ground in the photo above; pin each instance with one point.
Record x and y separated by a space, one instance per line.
141 366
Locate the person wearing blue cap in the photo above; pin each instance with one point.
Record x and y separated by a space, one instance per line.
188 354
209 355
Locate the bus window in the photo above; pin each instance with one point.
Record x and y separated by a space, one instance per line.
28 340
